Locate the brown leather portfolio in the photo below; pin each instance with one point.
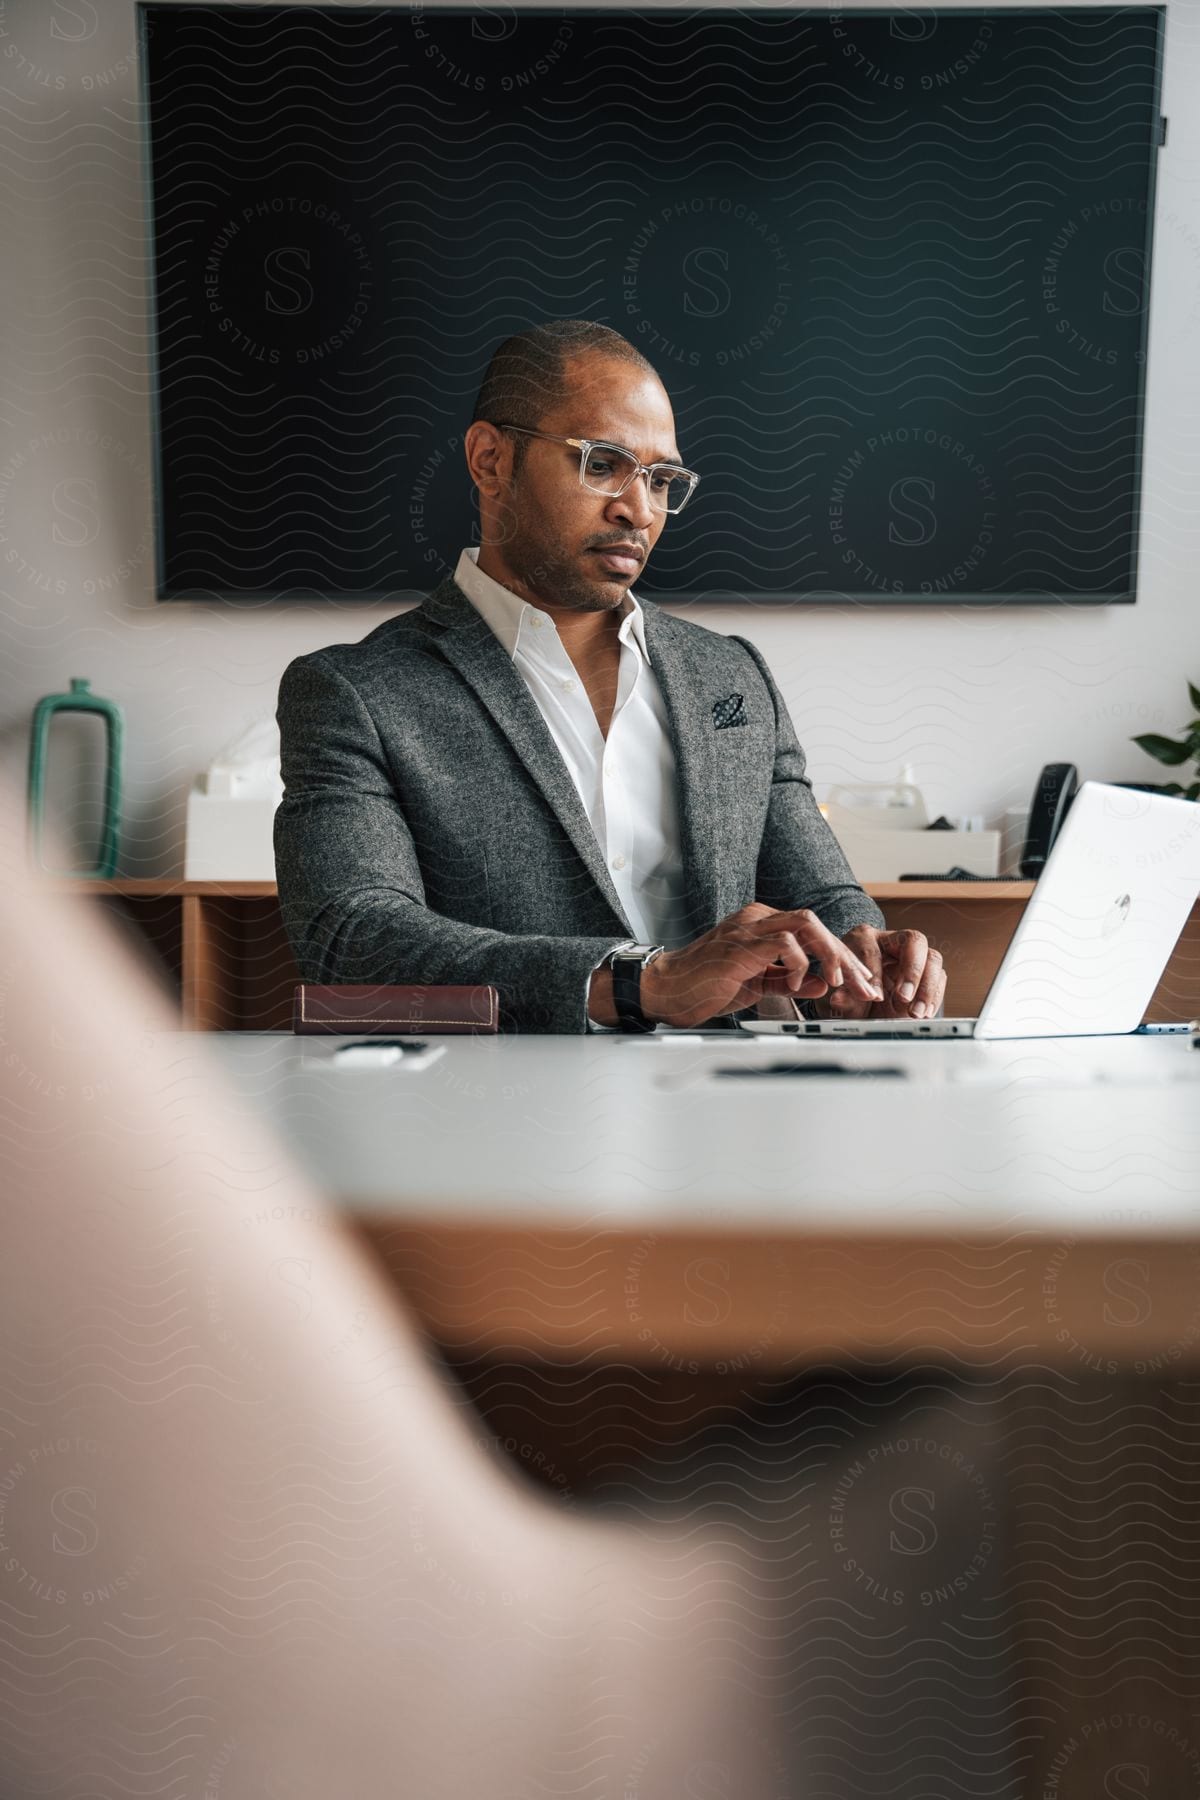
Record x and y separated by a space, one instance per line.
369 1010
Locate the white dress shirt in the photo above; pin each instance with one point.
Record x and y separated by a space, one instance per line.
626 781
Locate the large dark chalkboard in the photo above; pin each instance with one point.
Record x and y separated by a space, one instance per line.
892 266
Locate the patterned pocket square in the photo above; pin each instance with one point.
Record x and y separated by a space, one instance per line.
730 711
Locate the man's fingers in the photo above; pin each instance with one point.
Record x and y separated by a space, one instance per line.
755 950
932 987
775 958
865 944
909 951
863 940
778 980
793 970
838 961
898 969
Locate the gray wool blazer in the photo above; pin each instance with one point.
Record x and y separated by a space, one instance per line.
430 831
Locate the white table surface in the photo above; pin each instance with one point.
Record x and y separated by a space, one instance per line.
1086 1135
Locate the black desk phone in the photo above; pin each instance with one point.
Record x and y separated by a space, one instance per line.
1056 787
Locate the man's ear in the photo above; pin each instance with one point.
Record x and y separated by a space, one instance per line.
489 457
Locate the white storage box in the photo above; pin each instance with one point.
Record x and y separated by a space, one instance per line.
876 854
231 810
229 840
884 842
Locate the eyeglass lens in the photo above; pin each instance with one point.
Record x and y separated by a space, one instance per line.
607 470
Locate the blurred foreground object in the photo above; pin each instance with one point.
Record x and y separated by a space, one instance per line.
248 1547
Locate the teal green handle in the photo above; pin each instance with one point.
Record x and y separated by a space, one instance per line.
80 699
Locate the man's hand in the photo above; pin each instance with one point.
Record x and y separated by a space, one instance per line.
907 968
753 952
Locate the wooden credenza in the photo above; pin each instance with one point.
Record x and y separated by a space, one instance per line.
223 946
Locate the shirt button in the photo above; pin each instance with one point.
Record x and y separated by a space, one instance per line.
535 619
618 861
568 687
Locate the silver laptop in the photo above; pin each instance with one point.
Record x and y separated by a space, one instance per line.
1096 934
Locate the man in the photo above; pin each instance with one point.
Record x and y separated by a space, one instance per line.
533 773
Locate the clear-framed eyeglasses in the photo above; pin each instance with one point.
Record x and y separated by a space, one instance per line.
609 468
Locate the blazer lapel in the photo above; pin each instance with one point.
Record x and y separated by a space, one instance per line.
469 643
696 766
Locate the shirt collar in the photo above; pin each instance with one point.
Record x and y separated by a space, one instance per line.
504 611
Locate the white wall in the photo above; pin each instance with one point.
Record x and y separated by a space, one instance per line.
976 699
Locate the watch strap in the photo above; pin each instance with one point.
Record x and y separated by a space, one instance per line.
627 965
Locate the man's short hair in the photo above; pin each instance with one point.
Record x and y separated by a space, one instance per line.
527 376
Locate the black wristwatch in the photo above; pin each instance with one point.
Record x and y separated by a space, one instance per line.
627 964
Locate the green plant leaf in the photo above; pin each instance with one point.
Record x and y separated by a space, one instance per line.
1164 749
1194 695
1193 792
